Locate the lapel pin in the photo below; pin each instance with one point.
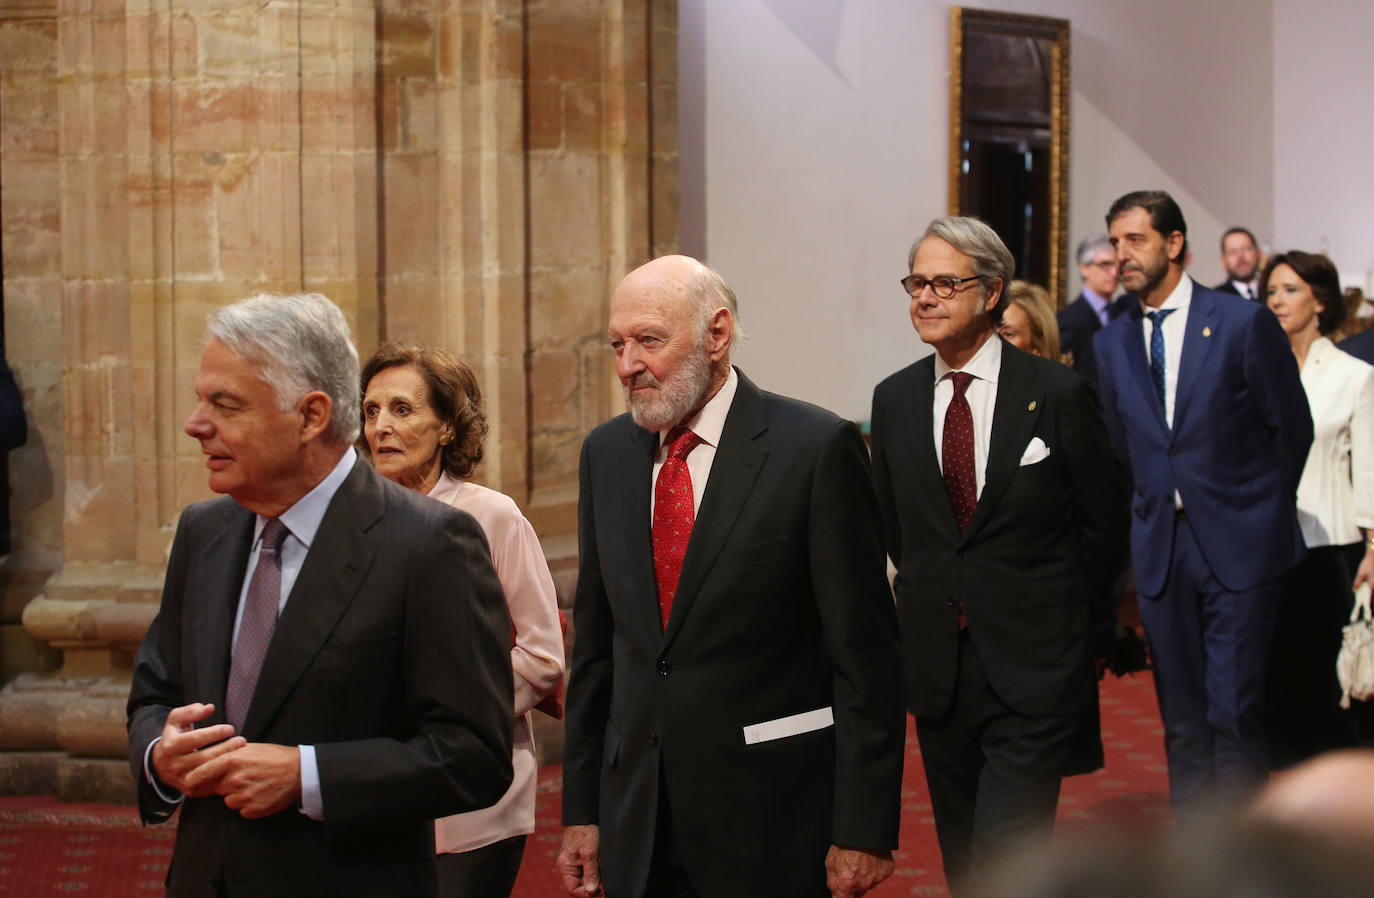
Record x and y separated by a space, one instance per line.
1031 407
1207 332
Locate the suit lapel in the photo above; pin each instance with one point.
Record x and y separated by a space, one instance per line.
1197 343
1133 349
918 406
636 464
1017 408
739 459
223 562
334 570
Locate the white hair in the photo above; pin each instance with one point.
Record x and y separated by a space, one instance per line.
302 343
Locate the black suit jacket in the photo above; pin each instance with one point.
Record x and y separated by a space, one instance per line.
1035 565
1078 322
1227 287
391 657
783 608
1361 346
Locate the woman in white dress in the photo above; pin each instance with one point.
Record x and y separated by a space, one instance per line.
1335 511
424 425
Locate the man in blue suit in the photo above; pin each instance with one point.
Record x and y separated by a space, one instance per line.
1361 346
1201 397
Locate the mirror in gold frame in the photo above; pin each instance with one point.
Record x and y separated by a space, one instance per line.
1009 133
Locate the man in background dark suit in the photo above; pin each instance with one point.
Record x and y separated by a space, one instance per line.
1361 346
1213 423
1094 308
329 670
1240 256
734 717
1005 515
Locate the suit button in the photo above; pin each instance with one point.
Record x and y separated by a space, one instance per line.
664 668
653 737
949 601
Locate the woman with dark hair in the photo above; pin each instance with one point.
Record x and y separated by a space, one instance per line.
423 424
1335 511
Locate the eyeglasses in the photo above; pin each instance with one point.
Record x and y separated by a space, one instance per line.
1104 264
942 286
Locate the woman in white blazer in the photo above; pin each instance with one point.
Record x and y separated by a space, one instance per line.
1335 511
424 424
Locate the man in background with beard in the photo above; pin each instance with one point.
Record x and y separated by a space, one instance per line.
735 719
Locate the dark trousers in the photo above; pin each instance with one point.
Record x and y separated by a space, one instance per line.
486 872
1304 714
1210 648
667 875
993 774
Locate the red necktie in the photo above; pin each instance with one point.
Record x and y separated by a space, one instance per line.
674 514
961 480
259 619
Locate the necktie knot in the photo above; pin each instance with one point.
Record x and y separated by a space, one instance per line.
274 533
961 380
681 441
1157 316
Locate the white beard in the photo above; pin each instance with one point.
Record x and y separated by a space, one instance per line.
677 397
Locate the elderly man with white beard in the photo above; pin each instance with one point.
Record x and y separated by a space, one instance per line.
735 721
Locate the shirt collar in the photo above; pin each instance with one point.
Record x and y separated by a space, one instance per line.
710 421
1179 299
984 365
1096 300
303 519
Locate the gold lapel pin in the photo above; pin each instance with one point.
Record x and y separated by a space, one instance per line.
1207 332
1031 407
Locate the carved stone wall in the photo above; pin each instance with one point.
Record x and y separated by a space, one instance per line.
474 173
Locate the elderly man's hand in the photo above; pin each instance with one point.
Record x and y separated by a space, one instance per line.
851 872
579 861
183 750
257 780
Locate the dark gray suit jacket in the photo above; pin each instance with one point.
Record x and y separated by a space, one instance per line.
783 608
391 657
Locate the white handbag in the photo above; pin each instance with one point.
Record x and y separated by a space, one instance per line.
1355 663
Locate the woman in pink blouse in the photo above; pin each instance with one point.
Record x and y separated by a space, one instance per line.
424 425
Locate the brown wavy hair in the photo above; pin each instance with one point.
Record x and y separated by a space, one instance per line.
1320 275
453 392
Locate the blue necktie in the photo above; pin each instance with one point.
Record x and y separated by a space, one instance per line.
1157 352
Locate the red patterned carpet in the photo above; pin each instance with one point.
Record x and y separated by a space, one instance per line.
99 851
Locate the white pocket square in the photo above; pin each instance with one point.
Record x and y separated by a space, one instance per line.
1036 451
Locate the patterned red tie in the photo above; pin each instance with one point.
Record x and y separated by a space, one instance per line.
961 480
259 619
674 514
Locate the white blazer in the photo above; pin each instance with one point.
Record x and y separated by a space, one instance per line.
1336 493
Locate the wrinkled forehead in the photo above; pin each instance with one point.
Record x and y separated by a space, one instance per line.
661 302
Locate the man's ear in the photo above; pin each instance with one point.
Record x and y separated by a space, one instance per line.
994 295
720 333
315 408
1173 245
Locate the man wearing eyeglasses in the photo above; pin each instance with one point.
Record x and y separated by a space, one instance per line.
1005 514
1094 308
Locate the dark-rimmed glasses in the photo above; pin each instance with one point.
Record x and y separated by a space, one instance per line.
942 286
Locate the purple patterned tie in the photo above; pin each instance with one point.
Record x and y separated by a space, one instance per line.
259 619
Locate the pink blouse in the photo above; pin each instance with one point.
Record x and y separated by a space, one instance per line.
537 657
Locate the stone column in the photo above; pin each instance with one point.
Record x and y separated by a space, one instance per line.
200 153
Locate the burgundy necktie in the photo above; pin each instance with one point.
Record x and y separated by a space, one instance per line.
961 480
259 619
674 514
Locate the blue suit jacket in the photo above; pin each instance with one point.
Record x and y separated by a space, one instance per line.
1361 346
1237 448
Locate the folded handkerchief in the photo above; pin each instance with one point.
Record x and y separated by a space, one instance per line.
1036 451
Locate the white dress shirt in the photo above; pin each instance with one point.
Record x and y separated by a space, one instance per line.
1336 492
1175 326
982 400
706 424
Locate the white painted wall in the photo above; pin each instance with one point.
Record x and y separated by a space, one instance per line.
1324 132
814 148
